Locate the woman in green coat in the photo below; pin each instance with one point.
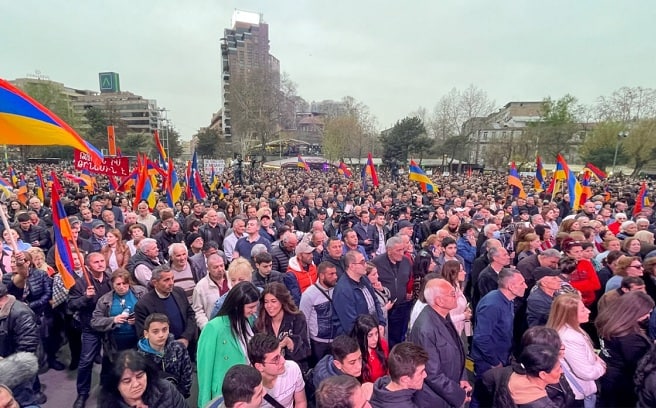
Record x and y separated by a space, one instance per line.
224 339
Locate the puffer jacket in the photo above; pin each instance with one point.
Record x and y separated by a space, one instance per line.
37 292
162 394
140 259
280 257
36 233
18 329
324 369
174 363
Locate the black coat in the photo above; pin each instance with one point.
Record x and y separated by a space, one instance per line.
161 394
150 303
36 233
83 306
394 279
18 328
37 292
446 361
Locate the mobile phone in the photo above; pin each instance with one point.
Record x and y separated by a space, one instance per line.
131 315
394 300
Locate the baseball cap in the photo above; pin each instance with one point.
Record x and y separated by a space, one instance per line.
541 271
304 248
97 223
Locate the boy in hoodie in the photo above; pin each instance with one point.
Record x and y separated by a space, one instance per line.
345 358
169 355
407 370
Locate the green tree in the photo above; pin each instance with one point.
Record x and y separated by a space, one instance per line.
97 130
337 133
207 141
640 145
599 146
404 138
555 131
134 143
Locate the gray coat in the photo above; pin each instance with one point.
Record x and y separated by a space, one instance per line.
446 361
102 322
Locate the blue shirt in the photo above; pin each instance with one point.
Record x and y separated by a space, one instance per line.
120 303
493 333
244 246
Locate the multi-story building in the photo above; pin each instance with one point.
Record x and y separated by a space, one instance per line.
244 53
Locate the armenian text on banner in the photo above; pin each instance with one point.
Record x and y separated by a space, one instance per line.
111 166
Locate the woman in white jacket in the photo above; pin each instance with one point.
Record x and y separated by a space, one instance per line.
580 364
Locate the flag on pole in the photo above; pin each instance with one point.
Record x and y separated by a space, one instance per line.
573 186
342 169
417 174
40 185
515 182
641 199
13 177
196 184
303 164
61 229
160 150
371 170
540 175
601 175
586 191
173 189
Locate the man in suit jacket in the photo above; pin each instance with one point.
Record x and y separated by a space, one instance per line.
446 381
170 300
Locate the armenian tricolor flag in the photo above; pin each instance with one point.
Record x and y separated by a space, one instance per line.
160 150
370 170
342 169
40 185
173 188
586 191
24 121
61 229
417 174
573 185
540 175
303 164
601 175
641 199
515 182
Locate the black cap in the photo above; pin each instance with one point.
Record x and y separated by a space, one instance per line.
405 224
541 271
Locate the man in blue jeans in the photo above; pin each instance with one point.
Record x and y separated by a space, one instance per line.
82 301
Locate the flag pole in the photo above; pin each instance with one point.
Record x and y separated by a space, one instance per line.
82 266
5 222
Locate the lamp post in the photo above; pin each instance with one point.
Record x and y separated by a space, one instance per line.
620 136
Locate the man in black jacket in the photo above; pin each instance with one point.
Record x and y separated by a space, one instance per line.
33 234
18 332
170 300
446 382
394 271
83 297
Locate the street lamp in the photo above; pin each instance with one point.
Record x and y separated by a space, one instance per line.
621 135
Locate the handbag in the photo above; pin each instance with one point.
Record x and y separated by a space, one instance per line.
589 401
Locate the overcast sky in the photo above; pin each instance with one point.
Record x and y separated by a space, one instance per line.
393 57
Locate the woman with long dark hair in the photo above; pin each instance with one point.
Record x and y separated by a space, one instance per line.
422 265
224 339
133 382
374 348
279 316
623 344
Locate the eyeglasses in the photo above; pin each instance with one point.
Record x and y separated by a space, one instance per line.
636 266
362 262
276 360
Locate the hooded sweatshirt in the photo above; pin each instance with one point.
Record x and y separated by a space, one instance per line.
384 398
173 362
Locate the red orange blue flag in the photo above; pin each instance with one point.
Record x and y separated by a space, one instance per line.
641 199
303 164
515 182
417 174
342 169
24 121
61 229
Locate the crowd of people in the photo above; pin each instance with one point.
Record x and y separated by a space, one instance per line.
307 290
